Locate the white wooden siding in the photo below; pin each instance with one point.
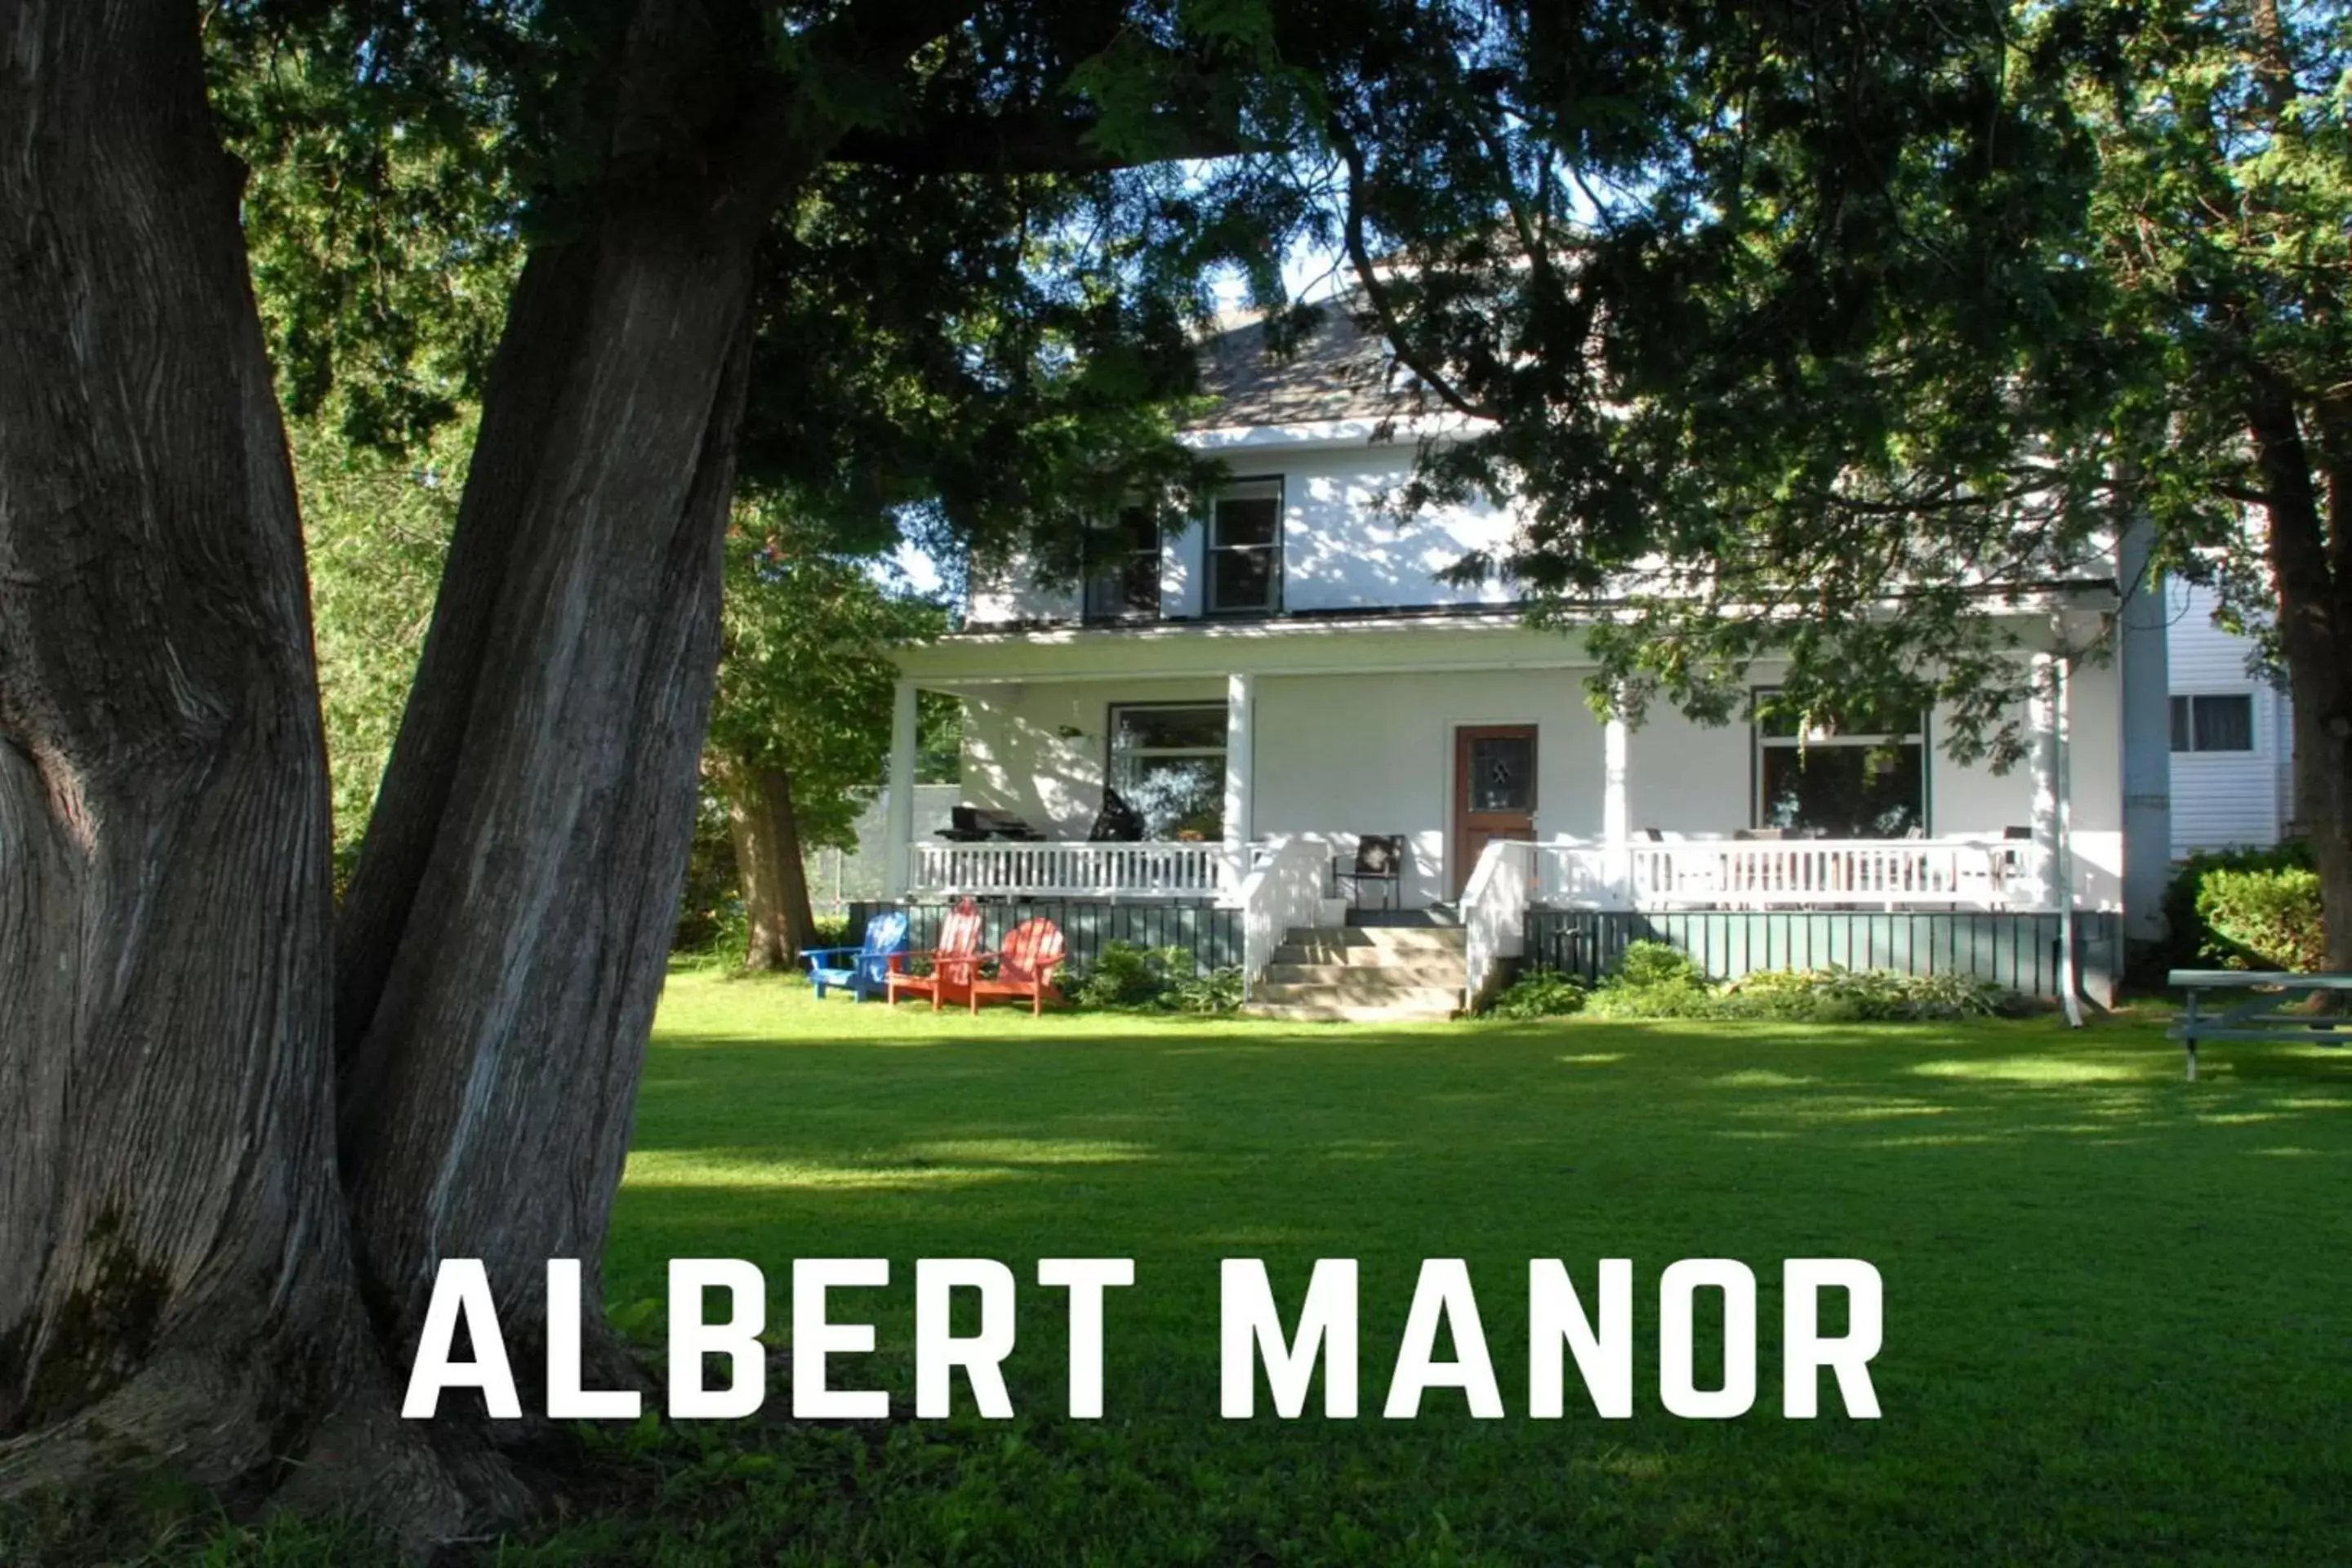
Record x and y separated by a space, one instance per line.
2224 799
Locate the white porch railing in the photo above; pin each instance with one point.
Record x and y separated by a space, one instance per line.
1172 870
1494 910
1284 889
1878 873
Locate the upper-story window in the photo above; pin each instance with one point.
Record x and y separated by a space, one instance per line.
2222 723
1863 775
1246 547
1123 568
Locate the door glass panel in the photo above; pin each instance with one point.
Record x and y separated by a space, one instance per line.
1502 773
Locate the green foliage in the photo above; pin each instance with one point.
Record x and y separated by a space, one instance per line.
377 528
1125 976
806 673
1540 994
1656 980
2263 918
2189 943
1211 990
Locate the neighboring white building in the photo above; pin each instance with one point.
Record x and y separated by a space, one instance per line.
2232 735
1268 683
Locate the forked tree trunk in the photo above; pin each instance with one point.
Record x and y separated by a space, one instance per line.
175 1279
2315 636
504 940
760 819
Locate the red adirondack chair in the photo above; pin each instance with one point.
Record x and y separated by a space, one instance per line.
955 963
1024 968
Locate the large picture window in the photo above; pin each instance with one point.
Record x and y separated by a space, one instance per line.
1246 547
2223 723
1862 776
1169 762
1123 568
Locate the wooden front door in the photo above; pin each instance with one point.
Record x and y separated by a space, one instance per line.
1494 791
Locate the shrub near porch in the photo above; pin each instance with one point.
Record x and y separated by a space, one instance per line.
2113 1303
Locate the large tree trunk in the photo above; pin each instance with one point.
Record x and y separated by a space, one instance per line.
760 819
177 1284
506 935
2315 588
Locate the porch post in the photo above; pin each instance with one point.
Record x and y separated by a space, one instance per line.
898 825
1240 701
2041 890
1616 814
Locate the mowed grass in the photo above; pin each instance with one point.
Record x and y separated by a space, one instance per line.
2117 1316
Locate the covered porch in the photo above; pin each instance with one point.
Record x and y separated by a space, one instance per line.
1474 747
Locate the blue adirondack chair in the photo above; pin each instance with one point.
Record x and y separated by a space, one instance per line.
863 971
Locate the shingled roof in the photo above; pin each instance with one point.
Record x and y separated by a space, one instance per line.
1339 371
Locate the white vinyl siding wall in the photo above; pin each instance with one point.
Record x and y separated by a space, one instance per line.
2224 799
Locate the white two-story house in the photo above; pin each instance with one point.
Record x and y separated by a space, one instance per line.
1265 685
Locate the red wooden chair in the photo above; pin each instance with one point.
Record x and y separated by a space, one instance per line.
955 963
1024 968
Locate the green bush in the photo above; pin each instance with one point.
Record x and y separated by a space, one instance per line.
1214 991
1125 975
1657 981
1541 995
1657 964
2261 919
2191 943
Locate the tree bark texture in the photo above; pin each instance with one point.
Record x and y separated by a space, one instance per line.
760 819
505 939
2311 565
175 1278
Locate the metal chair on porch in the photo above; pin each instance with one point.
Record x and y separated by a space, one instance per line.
1378 862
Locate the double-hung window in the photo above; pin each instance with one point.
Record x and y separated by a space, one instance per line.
1123 568
1862 776
2222 723
1168 760
1245 548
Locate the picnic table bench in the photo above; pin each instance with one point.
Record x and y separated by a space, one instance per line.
2257 1017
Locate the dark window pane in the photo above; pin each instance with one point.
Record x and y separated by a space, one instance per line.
1170 729
1248 520
1124 575
2225 723
1502 774
1844 792
2180 741
1241 579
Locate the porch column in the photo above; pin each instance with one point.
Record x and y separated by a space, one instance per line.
898 825
1240 702
2041 890
1616 814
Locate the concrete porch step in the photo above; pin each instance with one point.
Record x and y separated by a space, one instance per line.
1329 1013
1378 939
1303 968
1382 996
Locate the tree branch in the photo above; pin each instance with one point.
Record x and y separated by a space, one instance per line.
1035 143
1376 293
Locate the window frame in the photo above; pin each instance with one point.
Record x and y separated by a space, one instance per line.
1213 546
2181 716
1116 571
1111 752
1800 741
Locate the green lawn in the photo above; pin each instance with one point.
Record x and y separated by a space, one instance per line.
2115 1316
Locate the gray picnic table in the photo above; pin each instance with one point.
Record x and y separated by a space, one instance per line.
2257 1017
